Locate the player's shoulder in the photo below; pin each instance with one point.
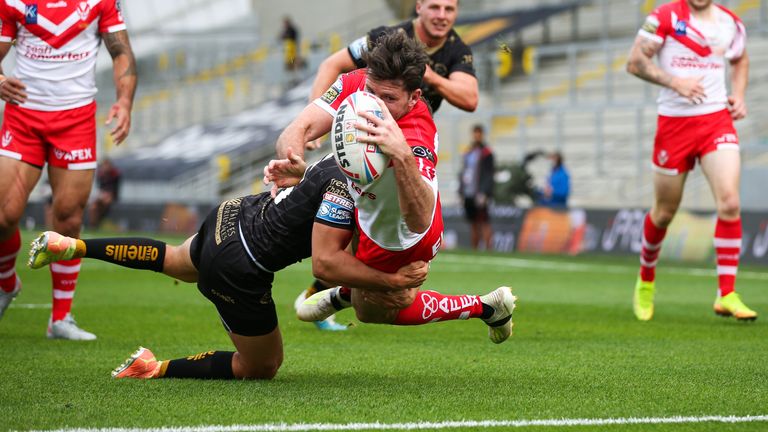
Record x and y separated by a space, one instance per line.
728 12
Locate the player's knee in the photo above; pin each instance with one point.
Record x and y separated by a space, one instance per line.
662 216
261 371
729 206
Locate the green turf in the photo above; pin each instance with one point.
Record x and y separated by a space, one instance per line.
577 352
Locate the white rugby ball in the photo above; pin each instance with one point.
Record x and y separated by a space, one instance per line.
361 162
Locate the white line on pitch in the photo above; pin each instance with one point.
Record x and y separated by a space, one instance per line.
475 424
575 267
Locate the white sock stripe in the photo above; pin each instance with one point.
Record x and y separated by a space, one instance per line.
645 263
8 273
65 269
651 246
63 295
8 257
727 243
727 270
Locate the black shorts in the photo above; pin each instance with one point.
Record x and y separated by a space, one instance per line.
474 212
240 289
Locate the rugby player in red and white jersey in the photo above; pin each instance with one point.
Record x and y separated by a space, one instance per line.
695 40
50 118
398 217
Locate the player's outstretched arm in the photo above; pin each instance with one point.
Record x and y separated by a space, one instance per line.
330 69
460 89
312 123
284 173
332 263
125 77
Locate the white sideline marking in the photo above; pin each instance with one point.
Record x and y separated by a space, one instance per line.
576 267
299 427
30 306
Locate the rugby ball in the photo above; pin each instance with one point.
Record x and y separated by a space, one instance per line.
361 162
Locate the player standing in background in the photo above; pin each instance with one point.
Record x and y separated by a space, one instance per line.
694 39
233 259
399 218
50 118
450 72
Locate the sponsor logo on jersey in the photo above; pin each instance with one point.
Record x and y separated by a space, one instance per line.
7 138
651 25
338 188
30 14
55 5
332 93
74 155
83 9
338 200
681 28
423 152
363 194
335 209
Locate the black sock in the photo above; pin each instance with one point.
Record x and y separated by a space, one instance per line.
487 311
318 285
207 365
134 252
341 298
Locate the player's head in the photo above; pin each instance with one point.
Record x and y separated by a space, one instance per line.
436 17
395 70
477 133
699 4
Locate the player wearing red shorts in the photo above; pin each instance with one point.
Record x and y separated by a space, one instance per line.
694 39
398 217
49 119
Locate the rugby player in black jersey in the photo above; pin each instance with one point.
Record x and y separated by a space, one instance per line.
233 258
450 74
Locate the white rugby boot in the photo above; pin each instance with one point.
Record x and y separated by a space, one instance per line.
321 305
67 329
500 323
7 297
328 324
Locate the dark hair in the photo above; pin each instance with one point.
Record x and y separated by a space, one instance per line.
557 159
397 57
478 128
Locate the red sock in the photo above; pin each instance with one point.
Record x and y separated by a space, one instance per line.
8 251
64 276
431 306
649 255
727 248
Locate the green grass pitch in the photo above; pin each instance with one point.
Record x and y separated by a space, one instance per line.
577 353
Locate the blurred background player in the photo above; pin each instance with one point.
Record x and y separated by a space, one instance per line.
108 184
233 258
450 72
50 118
694 39
476 188
399 217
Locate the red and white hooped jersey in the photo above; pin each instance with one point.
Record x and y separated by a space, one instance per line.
377 205
695 48
56 46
